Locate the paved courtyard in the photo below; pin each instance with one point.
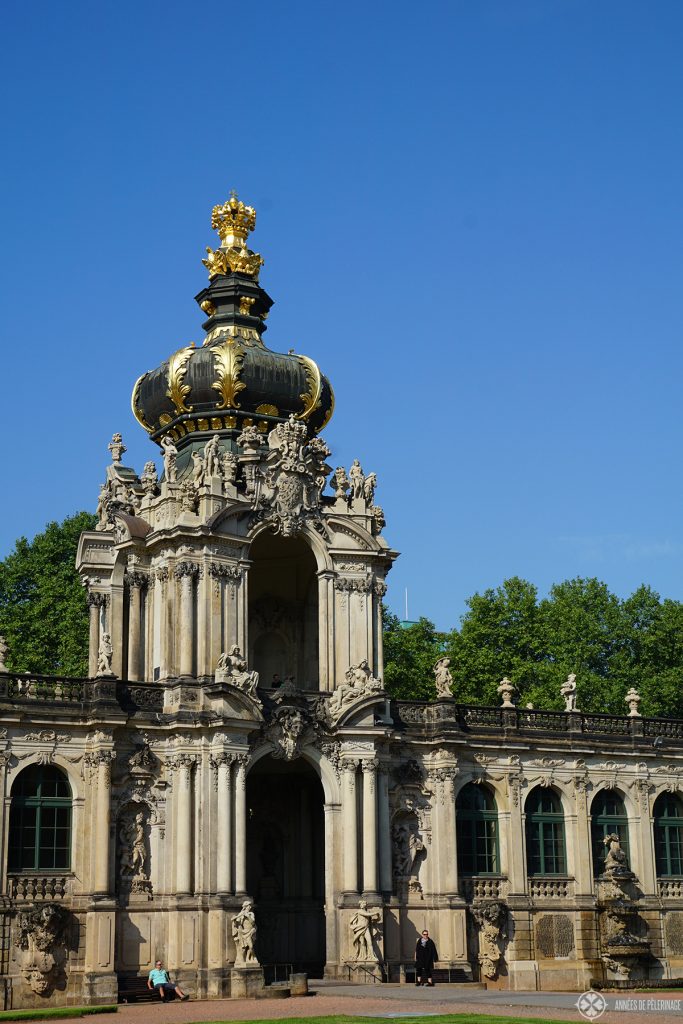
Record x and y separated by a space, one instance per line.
402 1000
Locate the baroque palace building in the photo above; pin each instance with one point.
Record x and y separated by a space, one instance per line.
232 790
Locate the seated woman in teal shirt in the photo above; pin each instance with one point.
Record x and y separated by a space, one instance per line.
159 981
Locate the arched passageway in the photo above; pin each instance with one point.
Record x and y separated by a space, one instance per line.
283 610
286 862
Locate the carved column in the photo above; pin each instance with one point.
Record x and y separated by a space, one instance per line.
444 806
515 835
183 765
185 572
241 826
101 760
380 591
223 764
136 582
163 619
350 826
326 630
369 768
582 840
384 823
95 602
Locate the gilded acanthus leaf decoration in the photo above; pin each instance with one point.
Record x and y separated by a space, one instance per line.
177 368
229 359
137 411
310 398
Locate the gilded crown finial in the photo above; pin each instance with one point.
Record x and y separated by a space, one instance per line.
233 221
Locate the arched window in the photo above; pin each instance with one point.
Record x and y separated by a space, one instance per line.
668 815
545 846
608 815
40 820
476 825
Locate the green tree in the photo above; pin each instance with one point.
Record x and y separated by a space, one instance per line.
43 612
409 656
611 645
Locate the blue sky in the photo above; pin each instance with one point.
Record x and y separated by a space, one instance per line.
471 216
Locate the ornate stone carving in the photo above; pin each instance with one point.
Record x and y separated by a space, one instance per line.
360 683
443 678
505 690
40 937
365 929
378 517
232 574
616 862
358 586
104 656
229 466
189 499
408 852
116 447
232 668
294 478
286 732
555 935
243 929
170 453
183 570
341 484
673 929
133 849
633 699
356 480
491 919
149 479
568 692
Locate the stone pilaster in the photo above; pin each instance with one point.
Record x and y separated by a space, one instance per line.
136 582
96 602
385 865
370 879
241 825
182 765
185 573
222 765
350 826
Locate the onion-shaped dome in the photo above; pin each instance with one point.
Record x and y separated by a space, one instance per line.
232 380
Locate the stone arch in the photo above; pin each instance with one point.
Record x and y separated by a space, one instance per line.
289 859
283 612
317 760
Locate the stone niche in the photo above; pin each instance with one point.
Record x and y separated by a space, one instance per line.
554 936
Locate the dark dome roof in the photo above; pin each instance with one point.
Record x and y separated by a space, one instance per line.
232 380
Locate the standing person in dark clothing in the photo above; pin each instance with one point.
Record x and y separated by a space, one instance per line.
425 958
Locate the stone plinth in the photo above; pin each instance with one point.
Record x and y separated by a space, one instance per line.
246 982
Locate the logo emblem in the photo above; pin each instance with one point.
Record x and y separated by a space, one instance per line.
591 1005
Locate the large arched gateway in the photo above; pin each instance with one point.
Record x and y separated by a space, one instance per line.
286 862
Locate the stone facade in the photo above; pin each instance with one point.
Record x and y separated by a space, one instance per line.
233 789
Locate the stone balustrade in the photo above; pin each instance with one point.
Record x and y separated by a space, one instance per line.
551 888
39 887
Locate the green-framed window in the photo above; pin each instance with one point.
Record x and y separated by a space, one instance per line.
545 842
40 820
476 824
668 816
608 815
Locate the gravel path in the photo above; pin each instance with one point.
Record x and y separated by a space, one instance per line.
398 1001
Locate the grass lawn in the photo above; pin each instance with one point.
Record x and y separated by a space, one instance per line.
56 1013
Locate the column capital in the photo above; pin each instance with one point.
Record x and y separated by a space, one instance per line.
186 571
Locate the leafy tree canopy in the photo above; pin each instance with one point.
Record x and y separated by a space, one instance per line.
611 644
43 612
